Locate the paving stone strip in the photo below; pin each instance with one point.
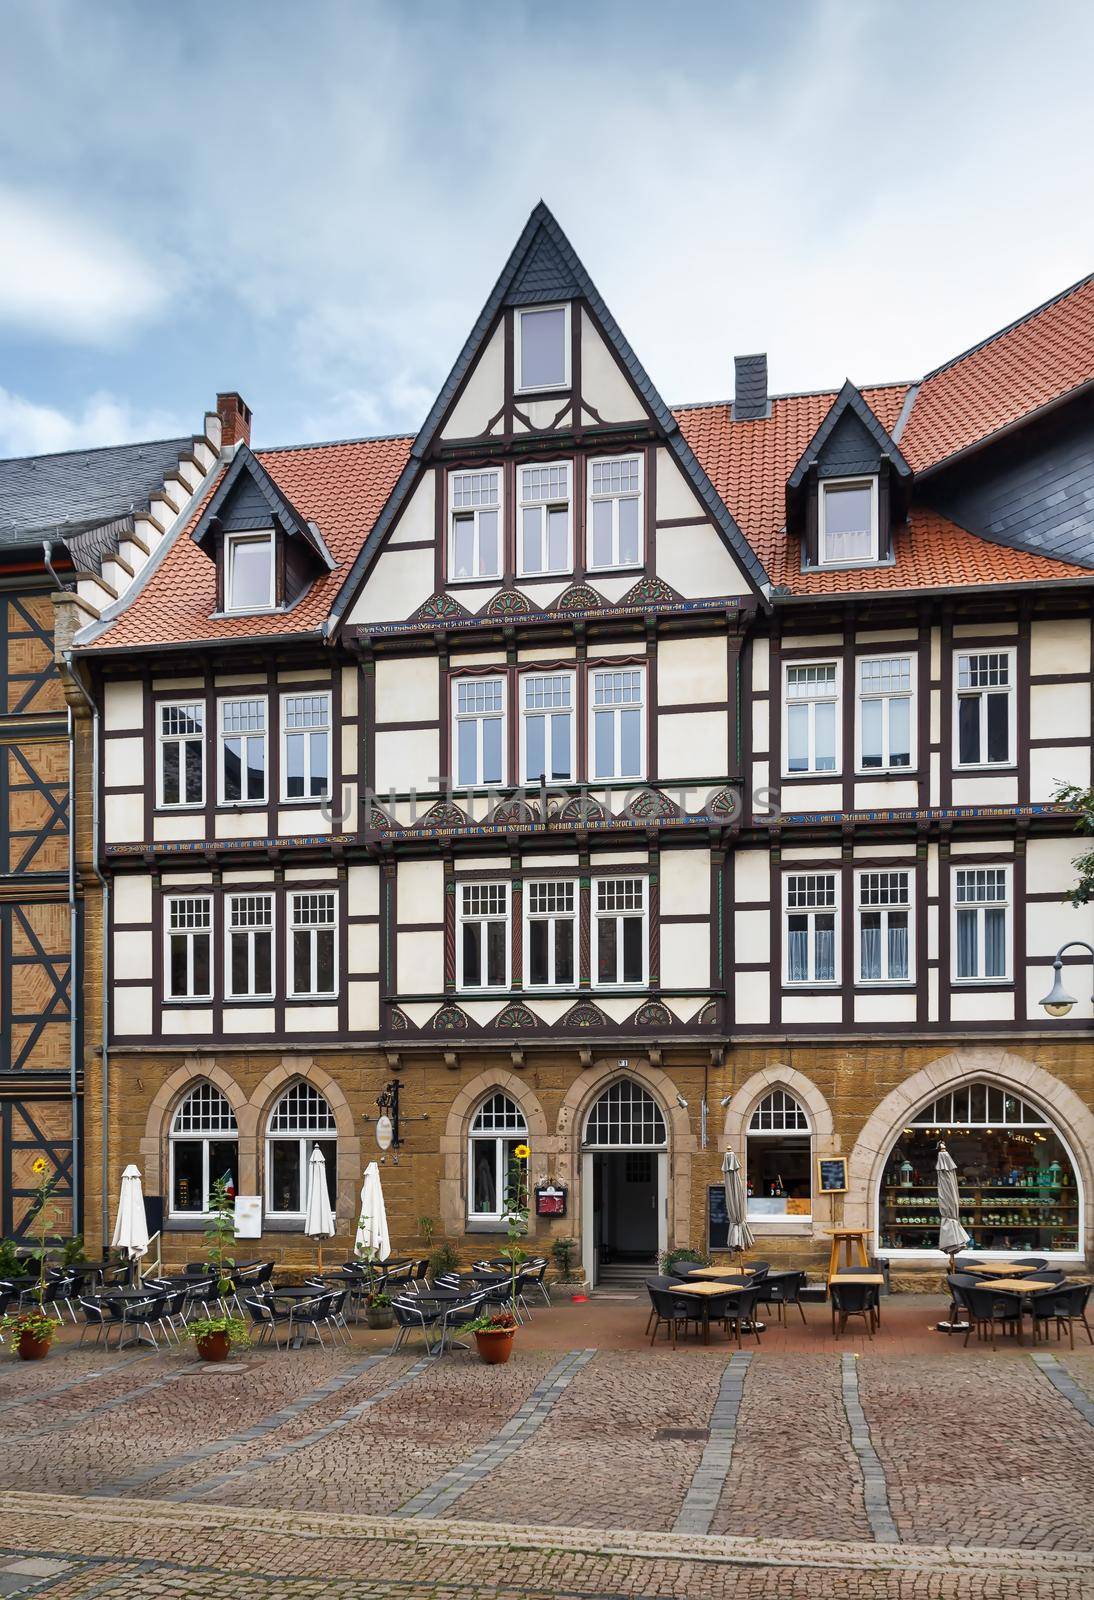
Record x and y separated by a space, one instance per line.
705 1489
72 1419
1061 1379
437 1497
874 1492
290 1448
31 1396
257 1430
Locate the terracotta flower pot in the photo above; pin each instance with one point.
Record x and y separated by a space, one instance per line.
32 1348
213 1346
495 1345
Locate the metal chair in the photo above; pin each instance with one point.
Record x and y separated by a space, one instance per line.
672 1309
266 1320
310 1314
1065 1306
852 1300
415 1313
782 1289
992 1308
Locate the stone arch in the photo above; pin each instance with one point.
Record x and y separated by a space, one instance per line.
453 1184
824 1141
164 1103
291 1069
1003 1068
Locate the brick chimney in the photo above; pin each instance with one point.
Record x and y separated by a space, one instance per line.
235 419
750 402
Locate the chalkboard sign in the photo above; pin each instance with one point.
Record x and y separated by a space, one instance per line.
717 1218
832 1174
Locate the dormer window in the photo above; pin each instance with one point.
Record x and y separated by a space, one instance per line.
249 572
848 517
543 348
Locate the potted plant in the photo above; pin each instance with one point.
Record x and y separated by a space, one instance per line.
214 1337
378 1311
32 1330
493 1332
444 1259
562 1254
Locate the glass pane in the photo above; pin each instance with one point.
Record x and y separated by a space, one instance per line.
898 944
463 541
472 958
263 944
797 738
251 569
180 976
301 962
256 768
824 935
629 532
602 533
330 1157
968 729
797 949
537 952
495 954
543 349
193 772
632 949
240 978
232 790
871 733
186 1192
466 752
319 764
848 517
824 733
900 732
998 733
535 738
560 745
630 744
604 744
995 944
606 944
285 1192
558 527
533 559
202 963
488 543
491 750
564 951
324 957
967 956
484 1176
870 946
170 764
294 765
224 1163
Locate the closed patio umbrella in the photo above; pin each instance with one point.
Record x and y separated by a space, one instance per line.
131 1224
740 1236
318 1216
373 1240
951 1235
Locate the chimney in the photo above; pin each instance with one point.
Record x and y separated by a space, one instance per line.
235 419
750 402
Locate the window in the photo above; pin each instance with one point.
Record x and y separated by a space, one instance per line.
625 1116
615 513
618 723
548 725
619 930
249 582
300 1121
848 522
181 738
478 735
313 943
250 946
984 732
543 345
305 739
811 948
885 688
550 934
475 521
189 948
203 1147
543 518
981 923
812 717
497 1129
778 1160
884 914
242 750
482 937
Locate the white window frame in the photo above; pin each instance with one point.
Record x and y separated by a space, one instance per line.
599 916
825 774
474 512
643 732
189 934
223 735
310 732
248 932
544 505
180 739
550 917
547 713
772 1222
887 769
464 917
548 388
856 482
313 926
478 717
980 906
232 543
908 907
204 1137
305 1139
590 499
515 1132
982 693
811 981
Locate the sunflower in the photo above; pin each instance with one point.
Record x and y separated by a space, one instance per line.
41 1165
522 1152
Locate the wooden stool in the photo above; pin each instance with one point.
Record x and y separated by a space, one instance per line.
853 1242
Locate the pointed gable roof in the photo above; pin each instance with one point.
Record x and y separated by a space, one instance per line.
246 469
849 399
544 266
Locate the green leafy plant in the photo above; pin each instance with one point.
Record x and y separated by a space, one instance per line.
491 1322
11 1263
670 1257
516 1217
203 1327
220 1232
72 1250
35 1322
1082 801
444 1259
563 1252
379 1300
426 1228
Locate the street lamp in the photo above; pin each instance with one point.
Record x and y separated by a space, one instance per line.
1057 1001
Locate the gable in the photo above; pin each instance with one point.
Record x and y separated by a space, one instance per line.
849 450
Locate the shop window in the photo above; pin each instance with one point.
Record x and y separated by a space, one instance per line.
778 1164
204 1146
300 1121
1018 1186
498 1131
626 1115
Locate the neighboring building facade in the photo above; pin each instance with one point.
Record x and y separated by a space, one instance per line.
631 783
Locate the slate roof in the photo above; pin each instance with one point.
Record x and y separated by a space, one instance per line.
57 495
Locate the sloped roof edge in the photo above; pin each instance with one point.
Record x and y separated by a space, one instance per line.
849 399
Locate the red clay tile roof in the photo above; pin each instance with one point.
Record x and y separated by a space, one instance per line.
340 487
1015 372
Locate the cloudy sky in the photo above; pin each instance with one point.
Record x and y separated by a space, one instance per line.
309 202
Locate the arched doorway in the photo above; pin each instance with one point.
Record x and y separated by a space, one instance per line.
624 1184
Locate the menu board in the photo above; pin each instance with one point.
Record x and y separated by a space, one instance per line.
717 1218
832 1174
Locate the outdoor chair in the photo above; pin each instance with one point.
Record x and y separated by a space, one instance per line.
6 1294
992 1308
657 1283
420 1269
684 1269
957 1283
265 1321
852 1300
51 1293
1065 1306
1028 1261
739 1308
456 1312
672 1310
537 1277
309 1315
101 1317
140 1315
72 1283
757 1270
414 1313
782 1289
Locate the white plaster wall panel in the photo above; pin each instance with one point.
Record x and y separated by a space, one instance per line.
311 1019
168 825
675 496
542 414
935 716
932 933
133 955
612 588
308 820
420 959
421 891
976 630
308 874
463 864
618 1007
695 561
1051 863
483 392
761 726
237 875
131 900
1059 709
531 861
351 681
764 801
1051 768
989 791
812 797
802 1009
132 1011
813 641
364 1007
541 594
751 875
685 883
189 1021
691 669
123 818
407 688
349 750
480 1011
549 1011
603 385
419 1014
241 824
364 890
935 778
864 852
752 935
123 705
234 680
399 582
187 880
881 1008
416 520
871 636
178 685
972 1005
609 647
1049 924
885 795
255 1022
684 1006
692 744
302 675
932 995
124 762
409 759
936 652
477 658
761 665
685 955
543 652
752 998
639 859
363 953
1060 645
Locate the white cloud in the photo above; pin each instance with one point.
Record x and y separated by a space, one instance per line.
27 429
65 276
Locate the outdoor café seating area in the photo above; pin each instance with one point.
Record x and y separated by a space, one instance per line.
699 1300
1001 1298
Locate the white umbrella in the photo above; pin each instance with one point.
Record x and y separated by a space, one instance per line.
951 1235
318 1216
373 1240
131 1224
740 1236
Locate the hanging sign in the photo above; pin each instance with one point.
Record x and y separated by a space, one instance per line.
832 1174
385 1132
550 1200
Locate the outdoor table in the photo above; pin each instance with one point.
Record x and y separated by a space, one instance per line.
706 1291
124 1297
298 1293
720 1275
995 1269
1019 1285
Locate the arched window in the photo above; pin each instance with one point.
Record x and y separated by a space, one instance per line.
1018 1185
626 1117
300 1121
203 1146
497 1129
778 1160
